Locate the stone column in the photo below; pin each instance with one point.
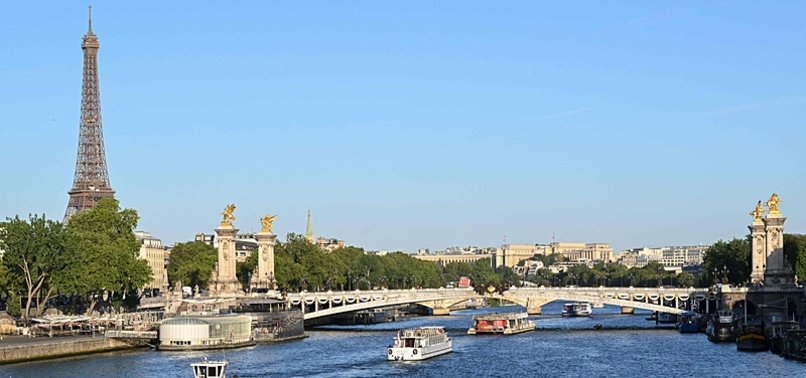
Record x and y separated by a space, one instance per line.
777 272
534 305
224 283
758 251
264 272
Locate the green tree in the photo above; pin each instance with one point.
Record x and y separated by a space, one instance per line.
287 272
795 252
4 276
729 259
245 269
301 265
684 279
103 254
192 263
13 307
34 253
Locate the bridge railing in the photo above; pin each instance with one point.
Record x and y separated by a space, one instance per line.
134 335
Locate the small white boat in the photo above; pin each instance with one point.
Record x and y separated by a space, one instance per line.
209 369
577 309
417 344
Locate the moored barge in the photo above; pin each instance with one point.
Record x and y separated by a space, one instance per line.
504 323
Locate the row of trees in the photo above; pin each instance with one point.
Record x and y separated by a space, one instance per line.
651 275
301 265
74 265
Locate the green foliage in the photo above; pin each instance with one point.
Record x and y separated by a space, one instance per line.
611 274
301 265
34 256
13 306
728 259
685 279
795 252
4 276
245 269
482 275
192 263
102 253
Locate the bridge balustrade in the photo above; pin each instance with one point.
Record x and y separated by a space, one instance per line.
654 299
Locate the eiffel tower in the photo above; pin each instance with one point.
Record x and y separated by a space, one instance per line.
91 180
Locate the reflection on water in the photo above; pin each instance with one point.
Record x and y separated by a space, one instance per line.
632 346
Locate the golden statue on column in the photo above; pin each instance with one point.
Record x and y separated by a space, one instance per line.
772 204
267 221
227 215
757 213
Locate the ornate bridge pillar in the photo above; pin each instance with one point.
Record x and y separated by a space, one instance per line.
223 282
758 256
778 273
534 305
263 276
438 308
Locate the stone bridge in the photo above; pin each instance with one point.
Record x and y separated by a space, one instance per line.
321 304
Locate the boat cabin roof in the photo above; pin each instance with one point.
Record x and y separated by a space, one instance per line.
209 369
422 332
503 316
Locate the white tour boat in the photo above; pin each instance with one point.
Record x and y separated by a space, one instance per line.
577 309
209 369
419 344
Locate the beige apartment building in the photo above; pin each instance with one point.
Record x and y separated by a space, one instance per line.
670 256
583 251
510 255
329 244
153 253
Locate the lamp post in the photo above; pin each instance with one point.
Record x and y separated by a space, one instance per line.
725 273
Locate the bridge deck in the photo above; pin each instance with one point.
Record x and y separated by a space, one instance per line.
332 303
131 335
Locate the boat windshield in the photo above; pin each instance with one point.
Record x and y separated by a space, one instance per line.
208 371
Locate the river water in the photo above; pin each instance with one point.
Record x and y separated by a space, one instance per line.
629 346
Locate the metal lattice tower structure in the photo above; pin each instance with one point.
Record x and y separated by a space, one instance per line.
91 180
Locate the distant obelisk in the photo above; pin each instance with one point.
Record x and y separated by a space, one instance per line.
91 180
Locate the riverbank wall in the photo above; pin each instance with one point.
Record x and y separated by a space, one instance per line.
24 352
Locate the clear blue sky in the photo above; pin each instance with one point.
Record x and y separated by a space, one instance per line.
418 124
